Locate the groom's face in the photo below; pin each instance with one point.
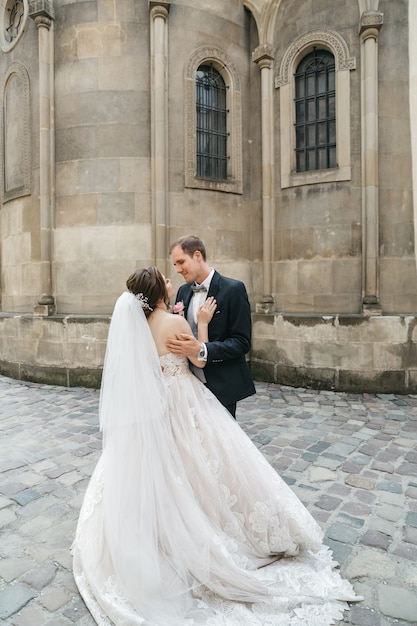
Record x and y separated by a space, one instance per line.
188 266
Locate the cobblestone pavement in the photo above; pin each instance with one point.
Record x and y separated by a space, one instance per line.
351 458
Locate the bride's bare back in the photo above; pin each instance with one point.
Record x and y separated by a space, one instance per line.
166 325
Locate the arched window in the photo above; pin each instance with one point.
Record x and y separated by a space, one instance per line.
315 112
211 117
315 125
213 122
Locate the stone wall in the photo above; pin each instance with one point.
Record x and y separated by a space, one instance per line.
342 352
347 353
56 350
110 184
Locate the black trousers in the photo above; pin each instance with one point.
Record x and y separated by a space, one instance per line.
232 409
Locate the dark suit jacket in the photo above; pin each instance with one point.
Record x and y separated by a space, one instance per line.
230 334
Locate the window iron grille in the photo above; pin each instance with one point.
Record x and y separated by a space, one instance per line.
315 112
211 128
16 12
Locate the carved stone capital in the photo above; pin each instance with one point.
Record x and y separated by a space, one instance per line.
159 8
263 55
371 20
41 20
41 8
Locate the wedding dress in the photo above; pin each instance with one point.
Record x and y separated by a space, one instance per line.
184 523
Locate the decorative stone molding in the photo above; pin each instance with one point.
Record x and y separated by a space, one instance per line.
216 56
18 154
371 20
332 40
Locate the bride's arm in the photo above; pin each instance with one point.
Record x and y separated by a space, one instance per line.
181 341
204 316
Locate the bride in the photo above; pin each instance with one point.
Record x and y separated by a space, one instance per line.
184 523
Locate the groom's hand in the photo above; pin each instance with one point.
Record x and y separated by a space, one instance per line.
184 345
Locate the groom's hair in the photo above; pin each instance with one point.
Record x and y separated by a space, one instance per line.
189 245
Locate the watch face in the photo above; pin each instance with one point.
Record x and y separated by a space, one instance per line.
13 15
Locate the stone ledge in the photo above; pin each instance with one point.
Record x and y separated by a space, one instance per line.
64 350
353 353
60 376
397 381
344 353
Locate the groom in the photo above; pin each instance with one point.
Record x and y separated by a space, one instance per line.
226 371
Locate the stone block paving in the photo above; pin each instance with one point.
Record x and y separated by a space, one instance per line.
350 458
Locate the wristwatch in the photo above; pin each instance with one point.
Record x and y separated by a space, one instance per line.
202 355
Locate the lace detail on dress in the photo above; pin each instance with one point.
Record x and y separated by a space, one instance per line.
223 540
99 616
92 496
173 365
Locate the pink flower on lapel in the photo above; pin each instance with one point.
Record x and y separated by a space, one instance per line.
178 308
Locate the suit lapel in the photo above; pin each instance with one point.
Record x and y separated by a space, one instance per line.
187 297
214 285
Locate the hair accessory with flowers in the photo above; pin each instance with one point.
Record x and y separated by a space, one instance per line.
178 308
143 301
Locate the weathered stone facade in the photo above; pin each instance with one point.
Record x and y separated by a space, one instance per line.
98 159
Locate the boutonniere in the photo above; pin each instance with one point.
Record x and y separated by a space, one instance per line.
178 308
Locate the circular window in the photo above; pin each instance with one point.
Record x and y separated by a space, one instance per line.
13 16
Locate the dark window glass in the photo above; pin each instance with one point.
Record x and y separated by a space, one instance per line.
211 123
315 112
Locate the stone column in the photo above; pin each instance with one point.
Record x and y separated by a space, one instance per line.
159 125
369 26
263 56
41 11
412 55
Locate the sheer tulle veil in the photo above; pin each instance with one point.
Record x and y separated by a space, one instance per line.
137 448
132 372
148 501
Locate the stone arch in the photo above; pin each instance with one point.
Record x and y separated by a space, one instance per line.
331 40
15 133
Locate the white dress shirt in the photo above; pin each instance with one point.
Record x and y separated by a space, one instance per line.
200 296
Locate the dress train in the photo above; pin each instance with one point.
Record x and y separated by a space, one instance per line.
193 527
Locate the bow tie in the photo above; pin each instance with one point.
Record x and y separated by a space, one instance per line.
197 288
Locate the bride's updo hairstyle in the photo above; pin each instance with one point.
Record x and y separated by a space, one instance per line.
150 284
